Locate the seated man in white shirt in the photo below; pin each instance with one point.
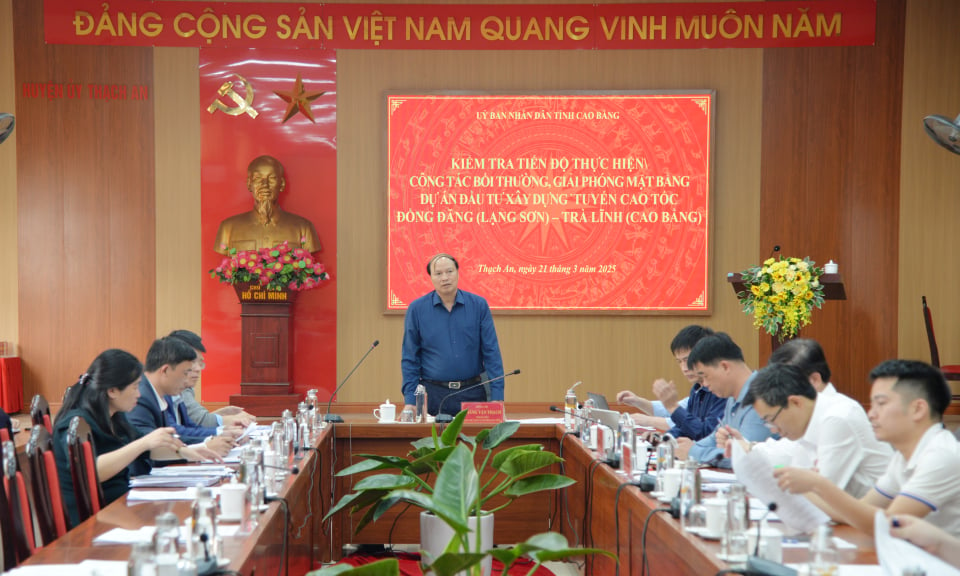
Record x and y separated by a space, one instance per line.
907 401
828 432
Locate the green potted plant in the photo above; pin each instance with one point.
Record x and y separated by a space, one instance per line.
441 475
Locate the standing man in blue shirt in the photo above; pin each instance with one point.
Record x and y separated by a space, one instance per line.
448 341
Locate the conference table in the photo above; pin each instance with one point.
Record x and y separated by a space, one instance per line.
598 511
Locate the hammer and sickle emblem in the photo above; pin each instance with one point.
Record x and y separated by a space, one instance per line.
242 104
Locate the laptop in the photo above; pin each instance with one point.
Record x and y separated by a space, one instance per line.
599 400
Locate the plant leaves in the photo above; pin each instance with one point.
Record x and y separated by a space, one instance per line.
452 430
451 564
374 462
385 567
384 482
527 462
499 433
357 500
429 462
458 484
499 457
538 483
428 503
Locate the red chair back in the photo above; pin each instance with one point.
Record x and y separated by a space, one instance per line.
83 468
45 485
40 413
20 515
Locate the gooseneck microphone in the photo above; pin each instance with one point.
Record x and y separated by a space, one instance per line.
771 507
575 415
292 470
336 417
444 418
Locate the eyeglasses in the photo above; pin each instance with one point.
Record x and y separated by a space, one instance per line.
769 423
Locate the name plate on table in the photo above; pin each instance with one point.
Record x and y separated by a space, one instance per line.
483 412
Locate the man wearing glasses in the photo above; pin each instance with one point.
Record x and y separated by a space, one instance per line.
829 431
718 363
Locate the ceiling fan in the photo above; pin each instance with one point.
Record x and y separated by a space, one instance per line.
6 126
944 131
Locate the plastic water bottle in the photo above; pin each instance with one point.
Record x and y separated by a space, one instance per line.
625 450
570 409
420 401
823 553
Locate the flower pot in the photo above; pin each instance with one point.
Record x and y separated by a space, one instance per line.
435 535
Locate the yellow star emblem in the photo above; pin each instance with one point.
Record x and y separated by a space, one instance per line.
298 100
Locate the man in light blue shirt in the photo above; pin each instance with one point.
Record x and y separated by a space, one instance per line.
719 363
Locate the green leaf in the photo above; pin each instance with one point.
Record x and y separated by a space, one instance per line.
428 503
384 482
458 485
450 564
385 567
499 457
452 430
499 433
430 462
357 501
274 253
539 483
527 462
374 462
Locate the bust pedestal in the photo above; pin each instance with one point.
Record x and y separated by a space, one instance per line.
265 387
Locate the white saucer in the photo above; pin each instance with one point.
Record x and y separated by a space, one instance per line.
733 559
702 532
656 494
229 519
665 499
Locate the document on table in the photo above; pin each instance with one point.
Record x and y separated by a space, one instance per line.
124 536
896 554
85 568
185 481
193 470
754 471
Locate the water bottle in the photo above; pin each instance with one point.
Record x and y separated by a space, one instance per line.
165 544
586 423
626 454
689 491
203 519
304 428
290 433
142 561
420 401
570 409
823 553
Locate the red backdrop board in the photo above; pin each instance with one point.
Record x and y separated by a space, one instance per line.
578 202
307 151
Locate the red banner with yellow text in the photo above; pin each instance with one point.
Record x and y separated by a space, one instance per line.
282 104
328 26
553 202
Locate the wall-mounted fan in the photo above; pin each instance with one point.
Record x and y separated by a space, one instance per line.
944 131
6 126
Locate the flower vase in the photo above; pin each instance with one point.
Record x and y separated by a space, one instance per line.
435 535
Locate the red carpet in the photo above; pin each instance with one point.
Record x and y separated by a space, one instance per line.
410 564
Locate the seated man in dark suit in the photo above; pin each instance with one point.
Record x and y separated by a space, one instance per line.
165 373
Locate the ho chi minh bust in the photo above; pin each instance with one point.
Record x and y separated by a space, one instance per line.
267 224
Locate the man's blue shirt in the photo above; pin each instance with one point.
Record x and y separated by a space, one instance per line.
698 419
736 415
445 346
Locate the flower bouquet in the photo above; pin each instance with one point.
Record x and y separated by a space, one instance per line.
275 269
781 294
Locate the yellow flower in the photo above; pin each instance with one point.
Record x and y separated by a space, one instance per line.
768 261
756 290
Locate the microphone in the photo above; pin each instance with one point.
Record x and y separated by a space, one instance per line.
565 411
292 469
771 507
444 418
335 417
775 251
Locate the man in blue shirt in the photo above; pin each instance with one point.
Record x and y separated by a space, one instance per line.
448 341
693 417
718 362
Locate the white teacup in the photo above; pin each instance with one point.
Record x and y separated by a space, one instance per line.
386 413
716 515
232 501
771 547
671 482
